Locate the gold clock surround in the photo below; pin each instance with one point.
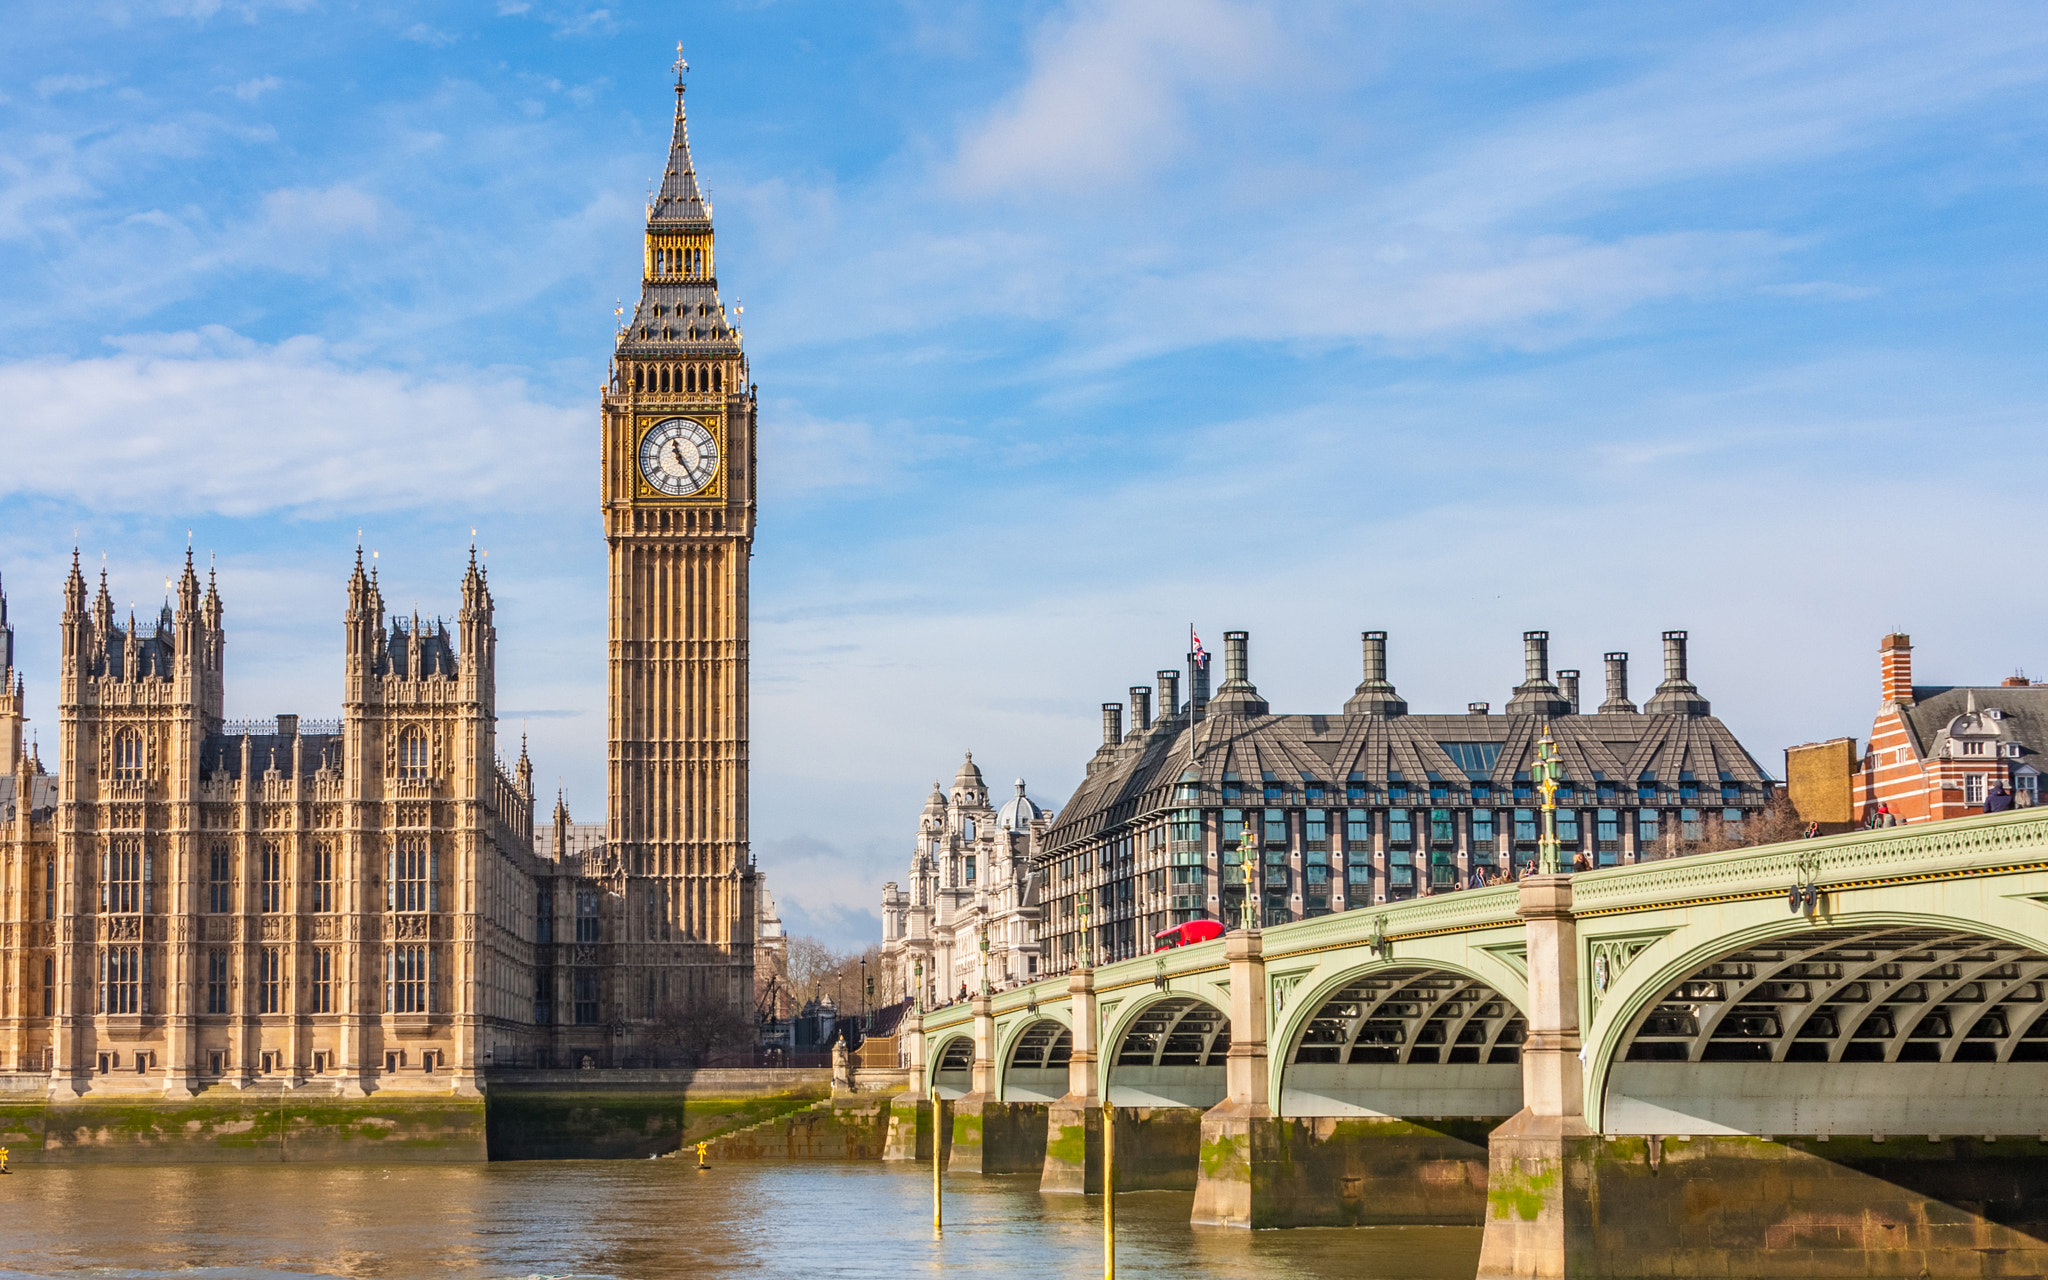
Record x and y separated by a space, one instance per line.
707 416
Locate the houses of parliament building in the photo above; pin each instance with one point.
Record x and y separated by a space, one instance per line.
368 902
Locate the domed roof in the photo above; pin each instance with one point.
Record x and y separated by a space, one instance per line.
970 772
936 801
1018 813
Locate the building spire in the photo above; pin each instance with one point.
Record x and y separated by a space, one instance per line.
678 204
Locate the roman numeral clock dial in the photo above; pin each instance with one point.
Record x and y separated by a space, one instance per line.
679 457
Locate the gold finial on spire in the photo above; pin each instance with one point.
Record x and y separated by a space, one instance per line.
680 67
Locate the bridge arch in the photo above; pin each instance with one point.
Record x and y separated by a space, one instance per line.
1166 1049
952 1065
1401 1037
1855 1023
1033 1064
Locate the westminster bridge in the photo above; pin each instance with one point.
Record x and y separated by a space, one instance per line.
1825 1057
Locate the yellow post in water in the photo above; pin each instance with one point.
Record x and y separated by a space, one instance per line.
1108 1192
938 1150
701 1165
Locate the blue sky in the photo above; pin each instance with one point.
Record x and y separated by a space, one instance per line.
1073 323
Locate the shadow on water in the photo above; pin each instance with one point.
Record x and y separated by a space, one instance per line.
643 1220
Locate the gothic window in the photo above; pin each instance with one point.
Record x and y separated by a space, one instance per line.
123 977
586 915
717 378
412 752
406 989
217 980
271 881
49 987
219 887
50 889
322 960
323 876
121 876
270 979
586 998
409 878
543 997
128 755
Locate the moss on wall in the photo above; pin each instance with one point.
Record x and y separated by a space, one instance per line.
244 1129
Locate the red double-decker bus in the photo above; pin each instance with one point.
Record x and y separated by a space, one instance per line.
1187 935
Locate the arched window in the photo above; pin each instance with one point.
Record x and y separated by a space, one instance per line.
717 378
692 378
128 755
412 753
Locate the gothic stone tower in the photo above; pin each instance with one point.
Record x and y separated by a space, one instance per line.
679 421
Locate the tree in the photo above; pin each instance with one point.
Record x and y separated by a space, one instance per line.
700 1027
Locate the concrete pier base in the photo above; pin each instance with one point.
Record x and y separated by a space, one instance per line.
997 1137
1238 1164
1073 1148
1158 1148
1578 1205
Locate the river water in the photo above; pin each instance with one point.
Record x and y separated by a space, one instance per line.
648 1219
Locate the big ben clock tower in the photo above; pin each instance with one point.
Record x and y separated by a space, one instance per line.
679 419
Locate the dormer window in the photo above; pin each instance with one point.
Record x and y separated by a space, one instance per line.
2012 749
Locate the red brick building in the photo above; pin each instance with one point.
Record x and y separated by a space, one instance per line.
1936 750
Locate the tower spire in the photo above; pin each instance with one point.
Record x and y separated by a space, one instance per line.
678 204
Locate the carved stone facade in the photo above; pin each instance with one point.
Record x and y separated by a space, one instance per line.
191 901
971 871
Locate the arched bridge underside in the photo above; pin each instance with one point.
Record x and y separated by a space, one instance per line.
1038 1067
1896 1029
953 1074
1171 1056
1407 1042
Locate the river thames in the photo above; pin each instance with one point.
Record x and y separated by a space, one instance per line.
642 1219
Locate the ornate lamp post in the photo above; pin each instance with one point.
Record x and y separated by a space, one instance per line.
1545 772
1081 905
917 975
1248 853
983 929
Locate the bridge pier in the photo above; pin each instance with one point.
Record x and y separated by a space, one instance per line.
1536 1191
1073 1125
1242 1153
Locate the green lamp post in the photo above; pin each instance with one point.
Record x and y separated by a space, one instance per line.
1081 905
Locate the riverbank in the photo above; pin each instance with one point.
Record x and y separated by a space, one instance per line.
517 1116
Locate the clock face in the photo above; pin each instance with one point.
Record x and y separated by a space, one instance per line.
679 456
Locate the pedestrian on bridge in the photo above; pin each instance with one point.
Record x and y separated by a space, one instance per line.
1999 800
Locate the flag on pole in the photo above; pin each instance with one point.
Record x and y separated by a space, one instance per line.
1201 658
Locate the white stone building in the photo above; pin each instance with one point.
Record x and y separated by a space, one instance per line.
971 871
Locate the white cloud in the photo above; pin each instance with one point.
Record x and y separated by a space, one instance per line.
52 86
208 421
331 210
250 90
1104 100
433 37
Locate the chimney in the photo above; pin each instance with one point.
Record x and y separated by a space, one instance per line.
1536 696
1112 723
1895 663
1617 686
1169 694
1141 708
1676 696
1568 685
287 726
1237 695
1478 708
1374 695
1198 693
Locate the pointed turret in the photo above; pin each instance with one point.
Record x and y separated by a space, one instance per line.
679 204
525 771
